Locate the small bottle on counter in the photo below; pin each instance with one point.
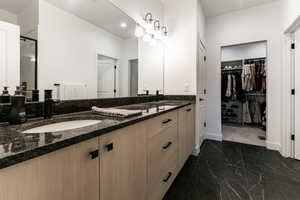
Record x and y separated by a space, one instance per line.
48 105
17 114
5 97
35 96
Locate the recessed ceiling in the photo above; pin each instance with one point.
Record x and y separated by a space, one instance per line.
217 7
14 6
101 13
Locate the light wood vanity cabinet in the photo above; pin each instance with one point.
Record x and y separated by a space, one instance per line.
162 152
138 162
123 164
69 173
186 133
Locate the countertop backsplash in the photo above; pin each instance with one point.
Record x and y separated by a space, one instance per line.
34 110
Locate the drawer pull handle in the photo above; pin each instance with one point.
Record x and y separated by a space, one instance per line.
168 177
94 154
167 121
109 147
168 145
188 110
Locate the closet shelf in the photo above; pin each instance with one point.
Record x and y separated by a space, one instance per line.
255 94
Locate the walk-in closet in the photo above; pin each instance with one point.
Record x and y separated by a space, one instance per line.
243 93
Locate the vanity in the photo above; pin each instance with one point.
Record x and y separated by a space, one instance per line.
78 55
133 159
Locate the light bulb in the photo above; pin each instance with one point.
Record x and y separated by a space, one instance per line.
147 37
139 31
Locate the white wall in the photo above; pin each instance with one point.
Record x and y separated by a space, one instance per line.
9 55
28 20
138 8
201 22
151 67
130 52
249 25
8 17
181 47
291 10
245 51
68 47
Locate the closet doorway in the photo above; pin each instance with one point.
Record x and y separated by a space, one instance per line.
243 93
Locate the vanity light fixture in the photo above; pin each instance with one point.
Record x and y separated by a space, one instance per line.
164 31
139 31
148 18
156 25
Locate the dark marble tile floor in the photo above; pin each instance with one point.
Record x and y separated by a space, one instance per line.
234 171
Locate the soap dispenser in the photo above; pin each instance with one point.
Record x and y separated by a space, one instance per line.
5 97
17 114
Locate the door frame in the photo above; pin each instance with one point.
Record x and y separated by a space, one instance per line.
287 145
267 144
116 73
130 74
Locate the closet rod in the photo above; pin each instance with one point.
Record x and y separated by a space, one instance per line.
256 59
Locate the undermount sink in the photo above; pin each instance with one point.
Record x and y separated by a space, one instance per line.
63 126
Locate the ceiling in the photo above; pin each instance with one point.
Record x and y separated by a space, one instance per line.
218 7
14 6
101 13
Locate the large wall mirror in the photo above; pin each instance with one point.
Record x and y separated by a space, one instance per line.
85 49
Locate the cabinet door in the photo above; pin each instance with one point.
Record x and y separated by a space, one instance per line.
69 173
123 164
186 132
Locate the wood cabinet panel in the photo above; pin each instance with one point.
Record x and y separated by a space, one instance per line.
158 124
186 133
123 168
69 173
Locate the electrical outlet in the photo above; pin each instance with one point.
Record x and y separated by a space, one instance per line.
186 87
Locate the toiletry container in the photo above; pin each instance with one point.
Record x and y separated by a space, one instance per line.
5 97
48 104
17 114
35 96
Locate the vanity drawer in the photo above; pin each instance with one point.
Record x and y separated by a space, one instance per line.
162 181
162 149
160 123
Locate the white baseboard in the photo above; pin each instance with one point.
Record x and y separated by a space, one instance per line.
197 149
273 146
214 136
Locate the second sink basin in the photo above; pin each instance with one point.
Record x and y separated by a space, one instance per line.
62 126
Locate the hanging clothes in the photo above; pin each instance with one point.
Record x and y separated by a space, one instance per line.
247 86
229 85
224 86
234 93
246 113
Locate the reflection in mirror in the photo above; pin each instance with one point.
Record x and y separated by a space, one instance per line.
28 63
86 49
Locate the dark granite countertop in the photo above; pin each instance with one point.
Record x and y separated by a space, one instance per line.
16 146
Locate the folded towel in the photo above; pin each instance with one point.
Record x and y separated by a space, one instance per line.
114 112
